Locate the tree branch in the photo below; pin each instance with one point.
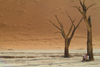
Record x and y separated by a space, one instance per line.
78 9
69 16
60 25
83 6
55 25
59 21
90 6
81 2
75 29
72 34
61 33
73 23
70 30
79 23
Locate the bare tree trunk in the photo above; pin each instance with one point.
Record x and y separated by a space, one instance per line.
89 41
89 37
66 51
89 45
70 34
89 27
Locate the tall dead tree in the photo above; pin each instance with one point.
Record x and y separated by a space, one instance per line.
68 37
83 11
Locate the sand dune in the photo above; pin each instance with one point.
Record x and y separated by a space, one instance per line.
24 24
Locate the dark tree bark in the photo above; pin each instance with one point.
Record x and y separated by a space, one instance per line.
69 35
89 28
89 41
67 44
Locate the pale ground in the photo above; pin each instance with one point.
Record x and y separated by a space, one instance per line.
47 58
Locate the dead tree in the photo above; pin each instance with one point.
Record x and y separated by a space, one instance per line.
89 27
69 35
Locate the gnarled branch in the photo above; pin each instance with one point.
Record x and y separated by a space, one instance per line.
72 21
69 16
84 6
61 34
78 9
72 34
80 2
90 6
61 26
79 23
59 21
55 25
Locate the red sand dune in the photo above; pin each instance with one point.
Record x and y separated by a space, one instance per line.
24 24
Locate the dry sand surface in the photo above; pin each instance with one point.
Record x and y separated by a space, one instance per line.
24 24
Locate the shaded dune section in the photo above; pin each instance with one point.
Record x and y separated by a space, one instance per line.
24 24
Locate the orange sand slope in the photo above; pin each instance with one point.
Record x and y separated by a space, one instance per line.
24 24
